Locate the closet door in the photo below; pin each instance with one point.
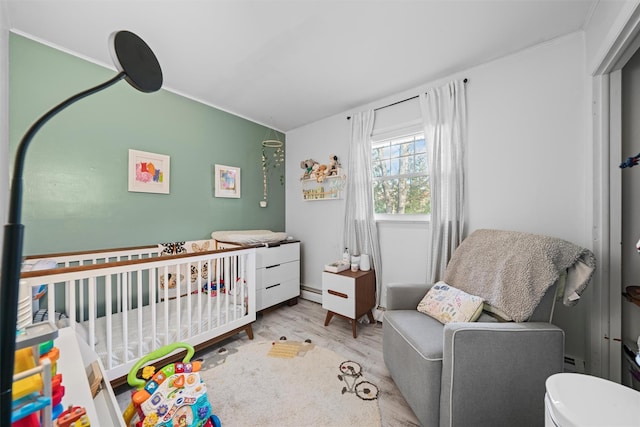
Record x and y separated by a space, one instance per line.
614 335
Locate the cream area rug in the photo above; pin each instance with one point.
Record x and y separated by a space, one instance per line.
288 383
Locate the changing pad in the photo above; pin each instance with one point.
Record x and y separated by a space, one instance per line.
249 237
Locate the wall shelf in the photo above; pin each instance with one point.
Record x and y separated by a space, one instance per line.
331 188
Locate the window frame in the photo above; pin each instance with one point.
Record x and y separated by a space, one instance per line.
377 138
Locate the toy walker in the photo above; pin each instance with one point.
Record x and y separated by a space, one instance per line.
174 396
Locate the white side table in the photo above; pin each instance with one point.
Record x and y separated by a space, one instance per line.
349 295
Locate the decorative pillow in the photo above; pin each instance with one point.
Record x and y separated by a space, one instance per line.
448 304
173 248
200 246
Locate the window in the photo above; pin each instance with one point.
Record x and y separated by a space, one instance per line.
400 177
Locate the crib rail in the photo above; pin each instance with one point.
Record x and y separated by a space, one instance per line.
126 303
69 259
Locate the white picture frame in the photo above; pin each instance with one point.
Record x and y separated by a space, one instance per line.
149 172
227 182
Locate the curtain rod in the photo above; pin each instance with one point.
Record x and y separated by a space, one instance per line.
399 102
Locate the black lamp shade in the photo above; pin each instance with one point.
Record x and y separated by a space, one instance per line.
133 56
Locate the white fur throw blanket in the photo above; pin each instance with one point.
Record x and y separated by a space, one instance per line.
512 270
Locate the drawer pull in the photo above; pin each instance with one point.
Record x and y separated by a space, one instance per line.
338 294
272 286
272 266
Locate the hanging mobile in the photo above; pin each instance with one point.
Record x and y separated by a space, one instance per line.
278 159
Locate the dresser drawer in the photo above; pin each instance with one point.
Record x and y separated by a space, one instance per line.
277 273
287 252
276 293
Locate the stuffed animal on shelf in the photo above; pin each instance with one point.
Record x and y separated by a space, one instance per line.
307 166
321 173
334 165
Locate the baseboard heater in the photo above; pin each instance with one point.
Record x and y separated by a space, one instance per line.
312 290
311 294
573 364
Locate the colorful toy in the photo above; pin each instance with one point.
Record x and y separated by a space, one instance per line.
57 393
24 360
174 396
213 288
75 416
53 355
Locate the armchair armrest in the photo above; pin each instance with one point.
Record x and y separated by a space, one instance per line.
495 373
405 296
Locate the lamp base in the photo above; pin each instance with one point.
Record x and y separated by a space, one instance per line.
9 289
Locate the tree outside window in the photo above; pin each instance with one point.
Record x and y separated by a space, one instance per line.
400 176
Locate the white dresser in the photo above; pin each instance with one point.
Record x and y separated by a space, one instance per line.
277 273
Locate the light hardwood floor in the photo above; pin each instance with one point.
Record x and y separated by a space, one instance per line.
305 320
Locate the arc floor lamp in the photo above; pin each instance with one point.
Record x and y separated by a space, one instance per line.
137 65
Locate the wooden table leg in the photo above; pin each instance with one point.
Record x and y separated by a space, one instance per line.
249 331
328 318
353 327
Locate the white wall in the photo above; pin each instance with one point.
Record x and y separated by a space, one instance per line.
527 165
318 224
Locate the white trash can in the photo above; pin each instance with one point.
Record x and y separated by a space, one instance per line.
577 400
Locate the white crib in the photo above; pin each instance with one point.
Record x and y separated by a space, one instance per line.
113 299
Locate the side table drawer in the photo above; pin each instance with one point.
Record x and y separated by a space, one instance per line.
338 294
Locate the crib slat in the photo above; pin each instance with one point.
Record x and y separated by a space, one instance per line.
139 310
118 293
81 308
177 302
188 297
71 308
166 305
92 311
125 316
152 301
109 308
51 298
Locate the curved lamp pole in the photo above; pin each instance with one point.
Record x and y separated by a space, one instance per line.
136 64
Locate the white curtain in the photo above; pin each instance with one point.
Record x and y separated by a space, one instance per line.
445 128
360 231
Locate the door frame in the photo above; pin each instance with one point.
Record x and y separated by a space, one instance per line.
606 306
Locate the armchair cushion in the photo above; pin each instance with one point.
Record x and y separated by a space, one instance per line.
448 304
514 359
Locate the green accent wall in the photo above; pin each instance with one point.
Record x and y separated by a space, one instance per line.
75 183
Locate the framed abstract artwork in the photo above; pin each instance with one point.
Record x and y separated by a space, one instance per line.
148 172
226 181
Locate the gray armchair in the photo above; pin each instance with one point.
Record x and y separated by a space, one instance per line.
483 373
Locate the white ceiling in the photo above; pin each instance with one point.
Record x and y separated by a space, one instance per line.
289 63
